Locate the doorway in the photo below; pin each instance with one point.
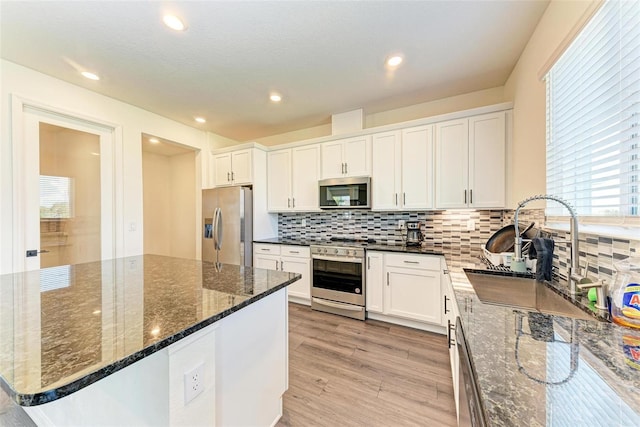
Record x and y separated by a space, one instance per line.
169 197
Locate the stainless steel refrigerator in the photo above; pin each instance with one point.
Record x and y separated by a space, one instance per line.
227 215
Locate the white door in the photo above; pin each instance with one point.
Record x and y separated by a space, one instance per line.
305 166
279 180
241 167
452 164
375 284
487 161
268 262
332 163
302 266
413 294
385 181
64 180
222 169
356 156
417 168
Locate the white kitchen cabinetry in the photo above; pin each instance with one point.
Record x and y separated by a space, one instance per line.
405 289
293 179
347 157
292 259
233 168
470 162
374 278
402 169
449 314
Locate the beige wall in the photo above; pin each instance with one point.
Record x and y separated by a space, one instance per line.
527 91
169 203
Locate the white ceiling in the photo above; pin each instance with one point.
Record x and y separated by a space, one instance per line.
324 57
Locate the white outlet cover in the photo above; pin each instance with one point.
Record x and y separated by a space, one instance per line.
471 225
304 222
193 383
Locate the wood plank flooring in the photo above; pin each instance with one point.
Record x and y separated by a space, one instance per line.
345 372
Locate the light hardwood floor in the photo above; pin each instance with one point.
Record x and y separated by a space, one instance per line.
345 372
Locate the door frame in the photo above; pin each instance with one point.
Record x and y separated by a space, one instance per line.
19 106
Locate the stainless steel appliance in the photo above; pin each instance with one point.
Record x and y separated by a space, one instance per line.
471 410
414 235
345 193
227 216
338 280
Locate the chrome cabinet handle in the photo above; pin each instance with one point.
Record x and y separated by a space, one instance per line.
412 262
368 263
387 278
232 176
404 198
288 202
465 196
445 305
471 196
276 265
396 199
294 202
281 265
228 176
450 328
346 168
294 252
342 168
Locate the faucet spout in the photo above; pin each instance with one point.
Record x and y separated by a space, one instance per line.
574 269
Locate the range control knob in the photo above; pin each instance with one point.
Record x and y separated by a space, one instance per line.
336 251
325 250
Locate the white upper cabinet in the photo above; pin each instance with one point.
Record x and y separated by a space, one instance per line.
233 168
346 157
279 180
470 162
402 169
292 183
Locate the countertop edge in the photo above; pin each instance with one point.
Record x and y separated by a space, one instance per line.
76 385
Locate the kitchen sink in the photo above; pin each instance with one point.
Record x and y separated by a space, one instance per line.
528 294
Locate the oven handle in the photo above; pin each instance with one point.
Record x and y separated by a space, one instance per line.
339 259
337 305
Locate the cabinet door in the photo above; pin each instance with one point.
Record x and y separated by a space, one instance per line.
357 156
279 180
386 165
305 166
487 161
452 164
241 167
222 169
332 163
375 282
302 266
413 294
417 168
268 262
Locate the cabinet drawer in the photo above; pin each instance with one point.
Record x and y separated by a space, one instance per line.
422 262
295 251
262 248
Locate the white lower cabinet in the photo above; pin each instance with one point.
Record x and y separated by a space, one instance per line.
405 288
292 259
450 314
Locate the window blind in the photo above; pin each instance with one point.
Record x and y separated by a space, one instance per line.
55 197
593 116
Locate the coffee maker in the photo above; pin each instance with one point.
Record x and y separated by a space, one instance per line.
414 235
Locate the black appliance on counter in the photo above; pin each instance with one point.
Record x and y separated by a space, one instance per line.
414 234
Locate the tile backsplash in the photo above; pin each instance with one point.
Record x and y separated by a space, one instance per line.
449 228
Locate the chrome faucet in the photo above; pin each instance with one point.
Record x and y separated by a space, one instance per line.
574 268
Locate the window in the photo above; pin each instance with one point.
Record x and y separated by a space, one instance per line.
55 197
593 117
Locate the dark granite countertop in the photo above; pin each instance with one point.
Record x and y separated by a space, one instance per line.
538 369
64 328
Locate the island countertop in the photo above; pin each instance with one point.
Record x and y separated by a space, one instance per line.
64 328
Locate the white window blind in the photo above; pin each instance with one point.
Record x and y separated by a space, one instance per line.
56 197
593 116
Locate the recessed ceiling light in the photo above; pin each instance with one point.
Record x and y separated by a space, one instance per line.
394 61
154 140
174 22
90 76
274 97
200 120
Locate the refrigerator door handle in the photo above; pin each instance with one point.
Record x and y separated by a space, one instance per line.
217 229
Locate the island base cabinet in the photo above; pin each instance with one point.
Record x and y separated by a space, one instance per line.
244 365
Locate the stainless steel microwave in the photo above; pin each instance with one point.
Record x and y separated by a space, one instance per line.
345 193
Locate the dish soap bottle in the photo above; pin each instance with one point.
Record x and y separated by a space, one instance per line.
625 295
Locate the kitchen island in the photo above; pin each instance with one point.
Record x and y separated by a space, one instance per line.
145 340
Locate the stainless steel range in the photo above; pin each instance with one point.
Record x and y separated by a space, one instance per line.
338 281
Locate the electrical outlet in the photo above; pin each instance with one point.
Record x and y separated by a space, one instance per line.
304 222
193 383
401 224
471 225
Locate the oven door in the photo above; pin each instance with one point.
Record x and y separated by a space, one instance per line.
338 279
